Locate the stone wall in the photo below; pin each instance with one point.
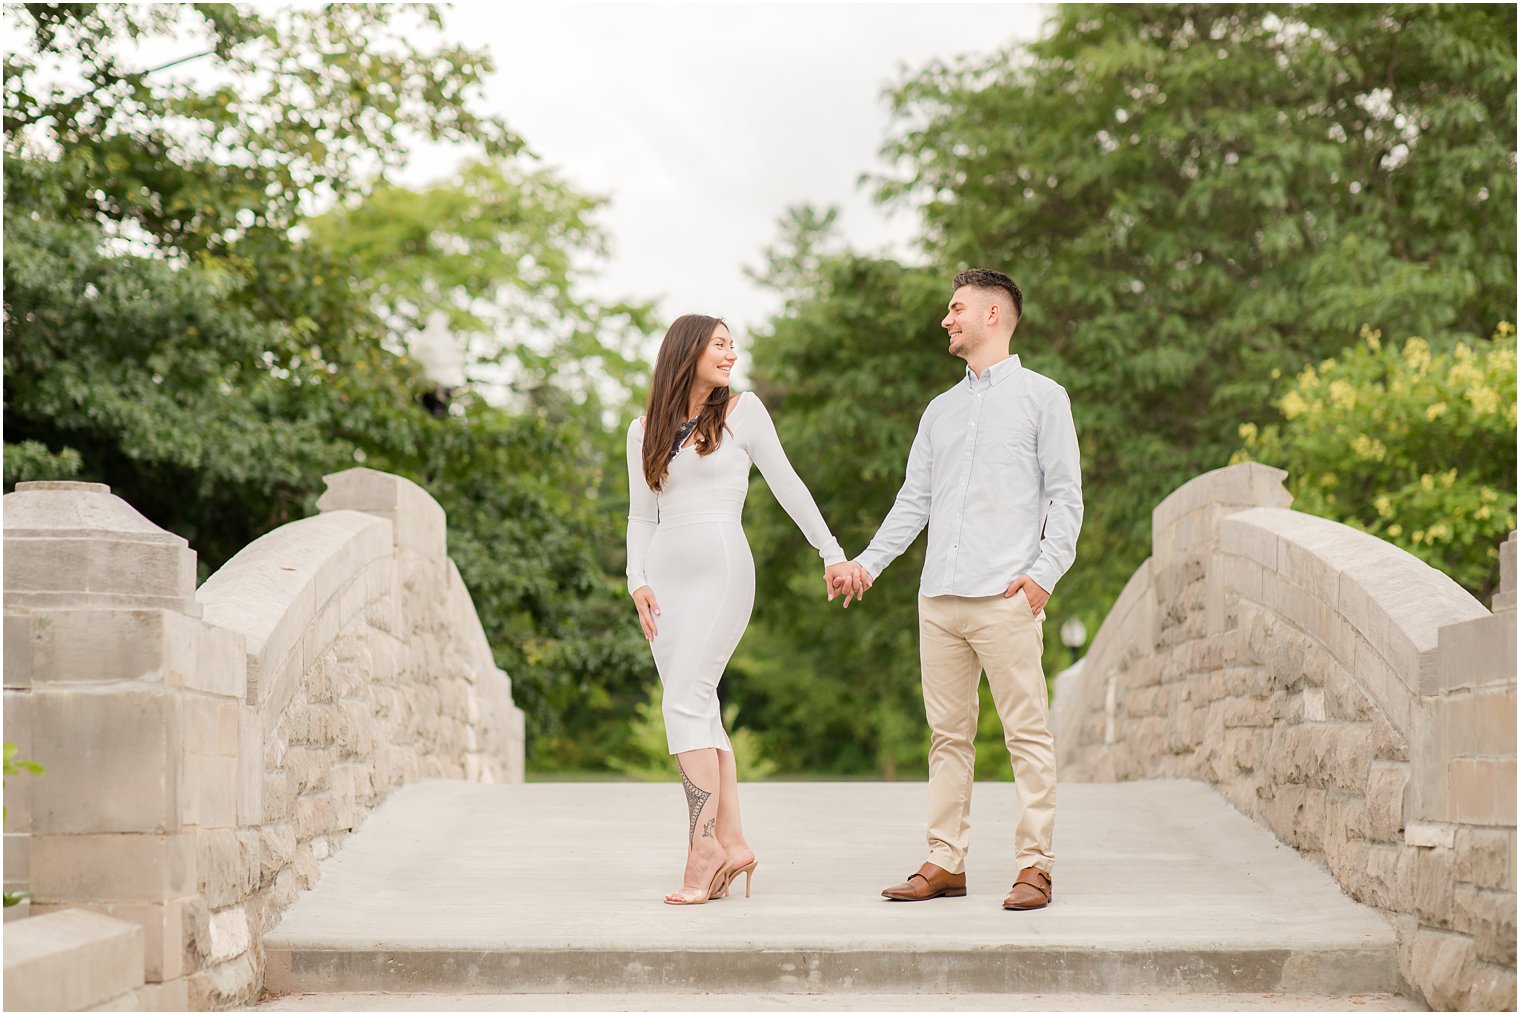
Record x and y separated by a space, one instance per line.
205 749
1354 700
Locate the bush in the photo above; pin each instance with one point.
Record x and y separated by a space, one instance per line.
1412 445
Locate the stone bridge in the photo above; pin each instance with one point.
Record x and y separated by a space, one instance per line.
206 749
1352 699
1273 678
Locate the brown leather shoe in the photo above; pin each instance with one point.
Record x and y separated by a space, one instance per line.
1030 891
928 882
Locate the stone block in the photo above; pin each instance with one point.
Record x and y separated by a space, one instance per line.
1311 705
380 580
1387 785
1494 721
18 788
170 996
230 934
1383 885
211 725
277 848
279 796
305 865
250 769
1369 618
1304 567
279 687
229 866
220 663
210 791
1242 575
1285 666
100 646
18 651
169 934
1243 712
1491 917
1482 791
1383 685
1435 886
1485 857
352 599
1388 744
320 634
1351 757
1475 652
311 768
420 524
18 847
225 985
113 759
1440 965
77 544
1430 835
70 961
113 868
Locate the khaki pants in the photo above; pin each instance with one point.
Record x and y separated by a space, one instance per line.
959 637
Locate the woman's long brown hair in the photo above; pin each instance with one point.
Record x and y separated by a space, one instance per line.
670 390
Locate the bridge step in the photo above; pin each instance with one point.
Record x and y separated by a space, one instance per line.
455 887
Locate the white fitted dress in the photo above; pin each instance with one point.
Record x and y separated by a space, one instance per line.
687 544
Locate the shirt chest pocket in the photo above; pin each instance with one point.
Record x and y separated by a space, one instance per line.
1014 445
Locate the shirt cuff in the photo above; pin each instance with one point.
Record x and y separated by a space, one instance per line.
1045 575
636 582
871 569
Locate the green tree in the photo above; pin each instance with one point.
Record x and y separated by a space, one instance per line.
165 331
178 326
1413 446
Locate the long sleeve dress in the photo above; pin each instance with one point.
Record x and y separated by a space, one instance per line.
687 544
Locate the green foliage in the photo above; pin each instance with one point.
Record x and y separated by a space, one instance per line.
646 755
178 327
1415 447
15 765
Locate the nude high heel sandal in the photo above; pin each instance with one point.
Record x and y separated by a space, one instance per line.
748 870
715 890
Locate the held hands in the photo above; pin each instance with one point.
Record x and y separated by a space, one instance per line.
643 599
848 579
1037 596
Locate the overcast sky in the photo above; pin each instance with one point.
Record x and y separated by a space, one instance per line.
703 122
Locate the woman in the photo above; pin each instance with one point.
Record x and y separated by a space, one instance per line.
691 574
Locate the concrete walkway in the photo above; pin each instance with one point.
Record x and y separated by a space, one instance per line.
460 888
839 1002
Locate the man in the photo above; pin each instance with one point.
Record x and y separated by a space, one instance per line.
994 472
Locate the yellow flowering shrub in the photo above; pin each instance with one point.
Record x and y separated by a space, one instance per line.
1412 444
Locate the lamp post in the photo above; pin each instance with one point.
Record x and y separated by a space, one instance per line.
1074 636
442 358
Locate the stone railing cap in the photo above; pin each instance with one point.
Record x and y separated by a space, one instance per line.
75 510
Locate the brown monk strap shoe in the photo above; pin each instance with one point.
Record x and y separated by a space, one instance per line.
928 882
1030 891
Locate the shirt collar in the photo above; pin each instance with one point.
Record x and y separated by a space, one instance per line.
993 374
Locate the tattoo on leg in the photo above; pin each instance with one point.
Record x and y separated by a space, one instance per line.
707 828
696 799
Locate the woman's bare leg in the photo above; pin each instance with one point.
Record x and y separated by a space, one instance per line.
730 828
701 779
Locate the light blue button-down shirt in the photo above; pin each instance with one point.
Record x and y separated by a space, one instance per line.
995 473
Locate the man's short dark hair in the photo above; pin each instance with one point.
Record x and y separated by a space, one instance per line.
986 278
